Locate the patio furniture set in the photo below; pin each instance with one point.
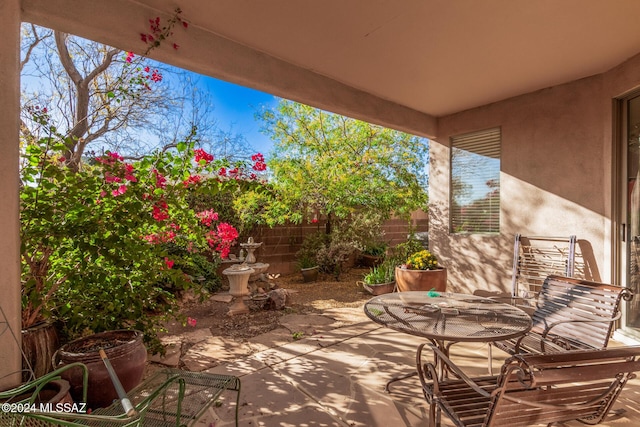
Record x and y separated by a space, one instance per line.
555 331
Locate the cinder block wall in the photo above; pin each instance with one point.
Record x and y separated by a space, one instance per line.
280 244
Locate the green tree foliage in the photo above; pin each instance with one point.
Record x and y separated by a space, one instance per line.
329 165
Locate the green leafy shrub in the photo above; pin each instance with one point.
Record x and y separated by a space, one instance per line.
383 273
311 245
378 249
331 257
109 245
401 252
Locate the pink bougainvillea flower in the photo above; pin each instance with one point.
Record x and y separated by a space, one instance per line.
193 179
156 76
259 166
110 178
227 232
314 220
161 181
129 57
157 238
222 172
176 46
147 69
128 173
169 263
202 157
119 191
160 211
207 217
192 322
115 155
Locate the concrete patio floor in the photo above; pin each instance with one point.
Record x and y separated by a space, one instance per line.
336 378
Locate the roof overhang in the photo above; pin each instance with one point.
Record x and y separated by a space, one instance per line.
401 64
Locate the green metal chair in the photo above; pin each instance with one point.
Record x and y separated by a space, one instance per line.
170 397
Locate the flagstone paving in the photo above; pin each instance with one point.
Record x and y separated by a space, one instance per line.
334 375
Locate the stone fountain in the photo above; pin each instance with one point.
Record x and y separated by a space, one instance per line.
243 277
250 246
250 260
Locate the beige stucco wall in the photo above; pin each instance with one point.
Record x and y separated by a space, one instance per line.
556 177
10 361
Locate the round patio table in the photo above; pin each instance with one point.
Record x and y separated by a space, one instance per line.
445 318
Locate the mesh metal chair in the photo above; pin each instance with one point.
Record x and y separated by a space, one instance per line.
170 397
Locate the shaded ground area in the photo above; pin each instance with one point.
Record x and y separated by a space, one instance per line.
313 308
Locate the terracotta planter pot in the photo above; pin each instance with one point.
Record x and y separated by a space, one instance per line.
126 352
379 288
421 280
370 260
39 343
310 274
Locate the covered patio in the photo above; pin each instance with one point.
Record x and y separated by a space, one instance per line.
552 75
336 378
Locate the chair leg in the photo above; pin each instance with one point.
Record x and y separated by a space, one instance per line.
490 358
432 414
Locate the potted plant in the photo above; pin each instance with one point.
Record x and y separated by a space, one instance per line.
309 268
307 256
380 279
421 272
373 254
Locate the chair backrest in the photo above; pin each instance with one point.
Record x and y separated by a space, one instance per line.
535 258
564 298
547 388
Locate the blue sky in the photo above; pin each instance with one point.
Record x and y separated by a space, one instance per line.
235 107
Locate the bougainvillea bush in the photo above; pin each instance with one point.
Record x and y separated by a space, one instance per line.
110 245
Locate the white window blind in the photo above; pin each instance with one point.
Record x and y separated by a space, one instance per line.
475 182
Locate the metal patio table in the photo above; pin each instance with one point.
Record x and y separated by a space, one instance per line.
445 318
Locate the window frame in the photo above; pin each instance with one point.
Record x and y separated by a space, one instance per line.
489 144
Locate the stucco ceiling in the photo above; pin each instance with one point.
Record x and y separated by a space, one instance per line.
398 63
434 56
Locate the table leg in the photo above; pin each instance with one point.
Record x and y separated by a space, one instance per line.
399 378
439 344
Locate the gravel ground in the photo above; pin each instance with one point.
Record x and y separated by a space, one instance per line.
306 298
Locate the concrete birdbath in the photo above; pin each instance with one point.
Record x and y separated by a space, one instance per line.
238 276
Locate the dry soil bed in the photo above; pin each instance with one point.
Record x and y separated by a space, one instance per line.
306 298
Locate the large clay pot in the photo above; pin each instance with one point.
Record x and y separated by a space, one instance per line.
421 280
39 343
370 260
310 274
126 352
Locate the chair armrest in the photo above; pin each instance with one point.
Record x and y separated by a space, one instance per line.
428 371
114 414
38 384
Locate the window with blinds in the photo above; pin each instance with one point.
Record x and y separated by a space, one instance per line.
475 182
